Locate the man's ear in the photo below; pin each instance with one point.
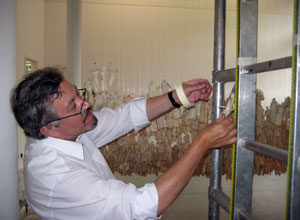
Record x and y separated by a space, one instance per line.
48 131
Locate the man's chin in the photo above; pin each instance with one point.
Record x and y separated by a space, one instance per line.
93 125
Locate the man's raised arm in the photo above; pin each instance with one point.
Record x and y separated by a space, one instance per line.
194 90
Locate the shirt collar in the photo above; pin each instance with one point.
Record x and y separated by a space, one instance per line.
71 148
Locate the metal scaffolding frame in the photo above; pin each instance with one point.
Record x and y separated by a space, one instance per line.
239 205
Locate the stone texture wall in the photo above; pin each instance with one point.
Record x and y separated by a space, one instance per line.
157 147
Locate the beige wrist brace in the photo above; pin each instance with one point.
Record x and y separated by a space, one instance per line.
182 97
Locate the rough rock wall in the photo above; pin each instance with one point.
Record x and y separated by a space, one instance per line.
157 147
272 127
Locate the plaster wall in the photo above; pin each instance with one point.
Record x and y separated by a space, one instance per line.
148 41
55 33
30 44
30 33
173 40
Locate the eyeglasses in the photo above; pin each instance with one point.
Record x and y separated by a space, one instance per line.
80 92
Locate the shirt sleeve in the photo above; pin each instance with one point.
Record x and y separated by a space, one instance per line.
114 123
84 196
125 201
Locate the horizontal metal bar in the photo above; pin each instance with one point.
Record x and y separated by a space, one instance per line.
228 75
225 75
242 215
222 199
282 63
271 151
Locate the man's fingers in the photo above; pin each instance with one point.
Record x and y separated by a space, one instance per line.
232 133
197 89
231 140
230 125
228 120
199 84
222 117
193 88
197 81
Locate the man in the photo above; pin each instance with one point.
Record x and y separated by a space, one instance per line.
66 176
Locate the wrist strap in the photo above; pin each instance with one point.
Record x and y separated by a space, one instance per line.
182 97
172 100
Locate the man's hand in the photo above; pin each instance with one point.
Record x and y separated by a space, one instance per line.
197 89
219 133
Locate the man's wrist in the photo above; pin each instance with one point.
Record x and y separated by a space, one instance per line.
172 100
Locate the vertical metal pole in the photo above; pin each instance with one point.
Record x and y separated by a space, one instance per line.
293 185
218 94
74 40
247 52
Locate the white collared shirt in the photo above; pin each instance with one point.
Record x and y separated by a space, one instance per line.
71 180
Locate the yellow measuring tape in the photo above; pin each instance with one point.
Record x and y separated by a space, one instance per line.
235 110
292 118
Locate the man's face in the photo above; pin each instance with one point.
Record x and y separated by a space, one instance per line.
70 103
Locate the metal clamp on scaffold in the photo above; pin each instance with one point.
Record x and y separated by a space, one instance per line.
296 39
182 97
245 61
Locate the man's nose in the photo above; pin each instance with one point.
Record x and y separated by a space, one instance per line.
86 104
